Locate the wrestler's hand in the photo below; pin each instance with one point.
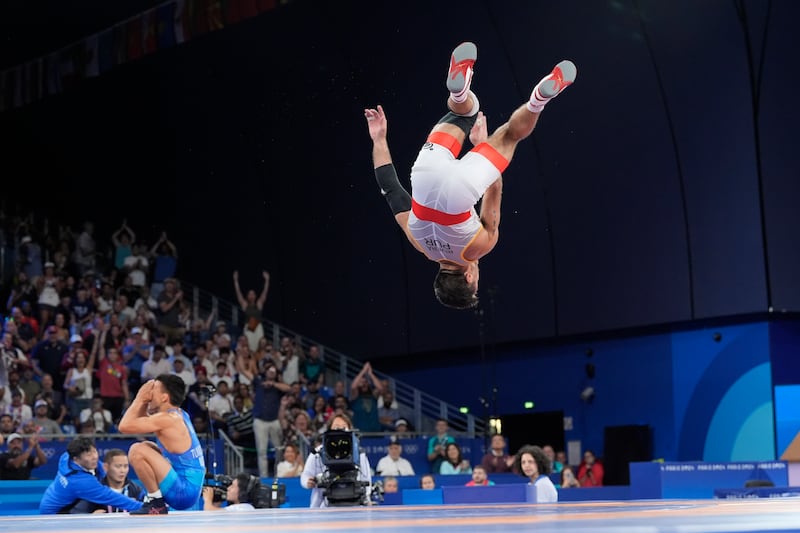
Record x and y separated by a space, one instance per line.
376 123
145 393
480 130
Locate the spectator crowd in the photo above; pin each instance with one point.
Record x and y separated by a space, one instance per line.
85 324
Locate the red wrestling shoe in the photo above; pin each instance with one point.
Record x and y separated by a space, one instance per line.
154 506
559 79
459 76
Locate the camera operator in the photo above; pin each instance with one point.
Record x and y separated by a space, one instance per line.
314 468
240 495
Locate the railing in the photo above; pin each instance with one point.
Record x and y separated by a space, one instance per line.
423 409
233 454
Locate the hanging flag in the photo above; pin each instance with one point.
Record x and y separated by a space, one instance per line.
16 88
183 27
13 88
214 13
66 67
52 72
238 10
134 32
165 25
266 5
105 51
149 32
24 85
3 83
90 59
34 88
120 38
199 18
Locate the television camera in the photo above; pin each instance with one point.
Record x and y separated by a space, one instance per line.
341 456
257 494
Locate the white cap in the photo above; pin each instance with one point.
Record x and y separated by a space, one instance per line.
76 338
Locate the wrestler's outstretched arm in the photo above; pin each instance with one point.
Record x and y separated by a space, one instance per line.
378 128
385 174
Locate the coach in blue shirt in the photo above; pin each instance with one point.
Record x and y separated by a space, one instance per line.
78 478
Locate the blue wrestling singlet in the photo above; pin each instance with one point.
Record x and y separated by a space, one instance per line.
184 482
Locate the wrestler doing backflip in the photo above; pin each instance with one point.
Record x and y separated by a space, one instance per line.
172 471
439 216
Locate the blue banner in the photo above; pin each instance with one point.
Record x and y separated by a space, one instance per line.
54 449
415 450
700 480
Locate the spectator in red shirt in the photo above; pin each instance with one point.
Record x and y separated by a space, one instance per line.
590 472
479 478
113 377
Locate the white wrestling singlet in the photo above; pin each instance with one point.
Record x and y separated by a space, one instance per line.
444 192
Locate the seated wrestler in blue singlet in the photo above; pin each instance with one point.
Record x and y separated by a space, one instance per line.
172 471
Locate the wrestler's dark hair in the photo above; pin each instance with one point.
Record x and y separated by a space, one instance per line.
542 462
79 445
175 387
452 290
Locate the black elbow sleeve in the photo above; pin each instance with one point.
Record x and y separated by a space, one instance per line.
396 196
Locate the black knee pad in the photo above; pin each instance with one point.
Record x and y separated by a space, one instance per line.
464 123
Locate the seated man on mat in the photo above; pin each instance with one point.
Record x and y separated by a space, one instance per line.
173 471
439 216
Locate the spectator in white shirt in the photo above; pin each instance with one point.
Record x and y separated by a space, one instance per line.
221 373
184 372
392 464
98 416
137 264
221 403
157 364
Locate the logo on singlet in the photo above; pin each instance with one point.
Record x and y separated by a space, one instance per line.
197 451
427 146
436 244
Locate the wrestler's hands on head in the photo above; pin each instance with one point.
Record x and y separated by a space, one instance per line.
145 393
376 123
480 130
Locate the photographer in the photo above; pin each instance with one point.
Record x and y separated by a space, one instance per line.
590 471
315 470
240 495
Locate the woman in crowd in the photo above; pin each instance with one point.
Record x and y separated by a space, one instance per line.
292 464
321 412
568 479
427 482
454 463
534 465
